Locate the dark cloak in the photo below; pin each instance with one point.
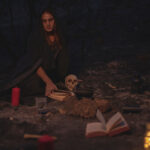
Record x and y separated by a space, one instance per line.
38 54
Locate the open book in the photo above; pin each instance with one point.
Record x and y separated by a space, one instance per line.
115 125
60 95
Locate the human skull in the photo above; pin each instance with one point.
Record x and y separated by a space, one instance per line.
71 81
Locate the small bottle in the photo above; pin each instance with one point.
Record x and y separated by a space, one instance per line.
147 137
15 96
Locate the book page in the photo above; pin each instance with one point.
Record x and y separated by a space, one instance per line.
122 127
111 122
94 127
100 117
119 125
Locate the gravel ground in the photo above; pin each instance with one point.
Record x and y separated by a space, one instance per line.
116 81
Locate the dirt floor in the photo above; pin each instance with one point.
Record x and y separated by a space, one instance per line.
116 81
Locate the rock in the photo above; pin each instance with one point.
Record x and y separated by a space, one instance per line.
85 108
103 105
11 118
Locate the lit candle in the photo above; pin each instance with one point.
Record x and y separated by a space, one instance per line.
15 96
147 137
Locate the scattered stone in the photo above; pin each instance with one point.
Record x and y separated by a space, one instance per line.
103 105
11 118
113 64
85 108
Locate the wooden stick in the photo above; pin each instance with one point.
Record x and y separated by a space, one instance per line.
35 136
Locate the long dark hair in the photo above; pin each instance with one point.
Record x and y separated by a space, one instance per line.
55 30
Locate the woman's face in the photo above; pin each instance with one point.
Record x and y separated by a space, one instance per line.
47 22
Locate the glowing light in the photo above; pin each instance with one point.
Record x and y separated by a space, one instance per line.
148 133
147 137
146 146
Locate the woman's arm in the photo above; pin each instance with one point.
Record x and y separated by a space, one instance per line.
62 64
50 86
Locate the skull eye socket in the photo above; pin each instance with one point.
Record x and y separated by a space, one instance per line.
69 80
75 81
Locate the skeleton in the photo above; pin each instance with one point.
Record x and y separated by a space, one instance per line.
71 81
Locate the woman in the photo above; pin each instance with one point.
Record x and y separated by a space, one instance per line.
47 46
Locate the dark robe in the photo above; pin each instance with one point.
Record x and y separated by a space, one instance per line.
50 63
39 53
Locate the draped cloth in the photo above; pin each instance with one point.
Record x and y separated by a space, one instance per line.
38 54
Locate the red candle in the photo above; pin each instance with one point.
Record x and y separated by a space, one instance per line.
15 96
45 142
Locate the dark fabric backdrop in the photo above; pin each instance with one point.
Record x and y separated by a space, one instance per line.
89 26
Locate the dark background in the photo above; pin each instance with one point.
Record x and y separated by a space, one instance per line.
94 29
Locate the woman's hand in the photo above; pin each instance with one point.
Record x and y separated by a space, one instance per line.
50 87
